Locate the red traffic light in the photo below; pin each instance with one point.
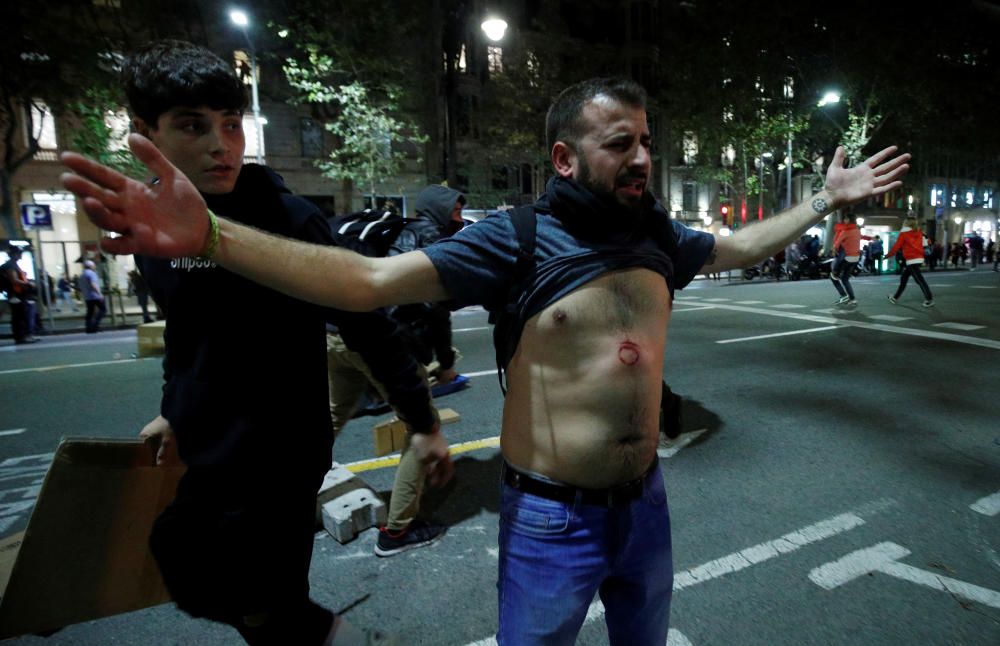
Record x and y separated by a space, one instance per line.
724 209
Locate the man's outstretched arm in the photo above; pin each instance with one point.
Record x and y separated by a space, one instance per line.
169 219
844 186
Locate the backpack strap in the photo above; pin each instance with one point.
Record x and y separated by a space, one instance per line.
507 324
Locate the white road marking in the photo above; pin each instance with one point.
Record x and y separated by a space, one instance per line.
717 300
765 551
829 310
48 344
481 373
889 318
788 306
13 431
965 327
884 558
777 334
738 561
78 365
694 307
677 638
990 505
941 336
471 329
981 286
749 302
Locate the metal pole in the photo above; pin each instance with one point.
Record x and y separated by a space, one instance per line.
256 103
788 179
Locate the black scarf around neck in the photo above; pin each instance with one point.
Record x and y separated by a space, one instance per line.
598 218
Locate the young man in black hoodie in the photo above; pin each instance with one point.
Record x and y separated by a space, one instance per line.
245 391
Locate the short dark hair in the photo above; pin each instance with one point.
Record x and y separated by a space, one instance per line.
563 123
166 74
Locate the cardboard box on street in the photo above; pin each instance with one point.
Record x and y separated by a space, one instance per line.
150 338
85 553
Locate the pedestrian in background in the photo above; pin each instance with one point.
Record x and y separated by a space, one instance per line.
910 244
90 287
14 282
847 243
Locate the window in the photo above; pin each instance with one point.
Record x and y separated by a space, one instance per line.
311 135
118 129
43 126
690 148
494 59
241 63
690 196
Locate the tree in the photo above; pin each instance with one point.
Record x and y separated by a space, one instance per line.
100 136
47 58
359 66
372 141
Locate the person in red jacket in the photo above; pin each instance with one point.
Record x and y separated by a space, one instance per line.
911 243
847 245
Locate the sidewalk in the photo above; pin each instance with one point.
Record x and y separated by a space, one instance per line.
69 321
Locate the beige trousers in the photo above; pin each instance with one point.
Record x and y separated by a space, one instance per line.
349 377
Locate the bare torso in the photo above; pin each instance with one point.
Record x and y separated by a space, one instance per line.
584 386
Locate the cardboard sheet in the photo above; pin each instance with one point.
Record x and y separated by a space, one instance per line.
85 554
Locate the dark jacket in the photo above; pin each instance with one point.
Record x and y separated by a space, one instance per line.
245 367
431 322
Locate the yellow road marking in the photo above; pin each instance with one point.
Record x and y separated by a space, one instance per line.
393 460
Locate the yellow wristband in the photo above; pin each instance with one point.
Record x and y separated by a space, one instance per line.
212 245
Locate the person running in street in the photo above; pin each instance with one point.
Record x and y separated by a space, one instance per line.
847 244
911 244
244 402
583 507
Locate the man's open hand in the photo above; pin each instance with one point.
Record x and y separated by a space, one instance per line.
166 218
878 174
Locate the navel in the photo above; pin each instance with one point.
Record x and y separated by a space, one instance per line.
559 315
628 353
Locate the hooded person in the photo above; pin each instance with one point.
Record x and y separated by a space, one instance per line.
438 215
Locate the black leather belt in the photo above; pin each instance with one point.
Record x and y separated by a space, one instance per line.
616 496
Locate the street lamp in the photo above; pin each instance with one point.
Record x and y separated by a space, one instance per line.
241 20
494 28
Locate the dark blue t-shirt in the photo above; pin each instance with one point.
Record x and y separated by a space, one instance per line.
477 264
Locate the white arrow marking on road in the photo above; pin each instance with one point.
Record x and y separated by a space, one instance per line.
990 505
740 560
765 551
884 558
13 431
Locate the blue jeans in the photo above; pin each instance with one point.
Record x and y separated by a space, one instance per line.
554 557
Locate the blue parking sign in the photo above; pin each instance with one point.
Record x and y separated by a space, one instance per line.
36 216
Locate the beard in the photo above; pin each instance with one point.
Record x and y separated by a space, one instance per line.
586 179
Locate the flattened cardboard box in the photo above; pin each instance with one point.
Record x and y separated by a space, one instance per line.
85 553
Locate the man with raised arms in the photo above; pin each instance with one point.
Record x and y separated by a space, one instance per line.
583 506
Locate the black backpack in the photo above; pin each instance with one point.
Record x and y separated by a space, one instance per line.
507 323
370 233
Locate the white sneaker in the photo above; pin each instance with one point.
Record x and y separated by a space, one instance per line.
928 303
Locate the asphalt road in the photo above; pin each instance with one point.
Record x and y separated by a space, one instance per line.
846 490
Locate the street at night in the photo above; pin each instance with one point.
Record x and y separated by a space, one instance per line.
846 488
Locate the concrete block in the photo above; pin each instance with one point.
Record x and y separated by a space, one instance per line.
339 480
390 435
150 338
352 513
